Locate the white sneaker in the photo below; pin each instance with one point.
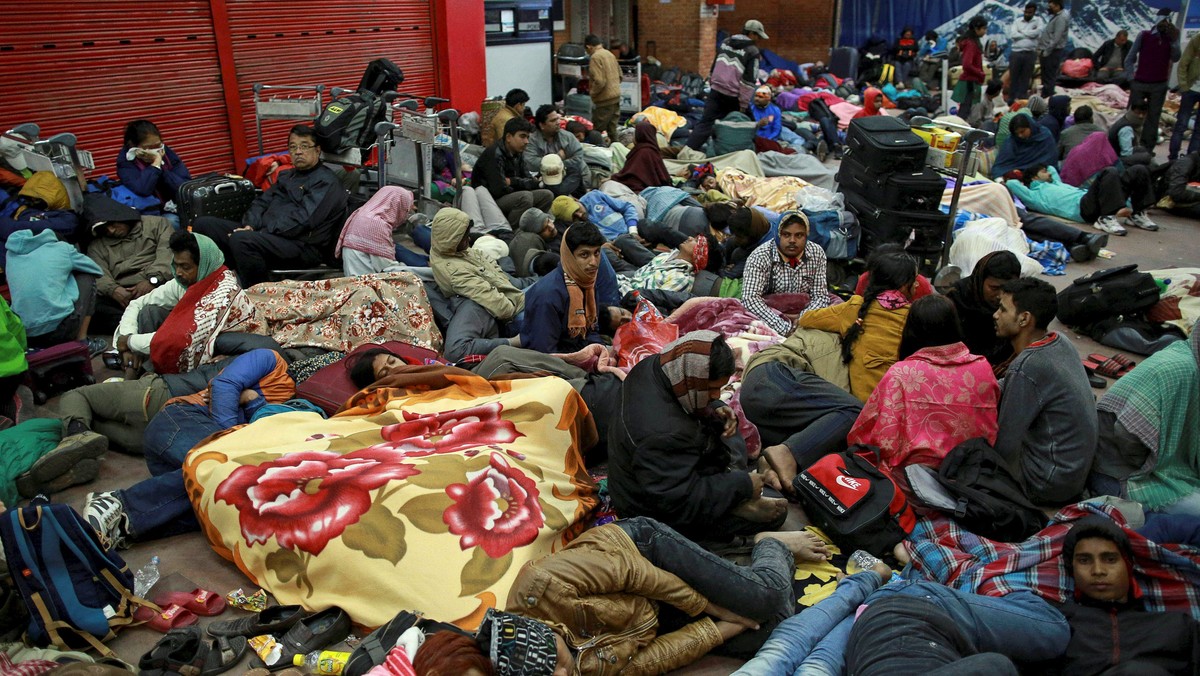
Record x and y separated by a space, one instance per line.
1110 225
105 513
1141 220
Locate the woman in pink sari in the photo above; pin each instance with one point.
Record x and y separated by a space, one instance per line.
937 396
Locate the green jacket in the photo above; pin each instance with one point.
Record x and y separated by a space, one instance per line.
470 273
12 342
1189 64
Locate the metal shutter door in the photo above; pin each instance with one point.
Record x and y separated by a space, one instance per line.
90 68
298 43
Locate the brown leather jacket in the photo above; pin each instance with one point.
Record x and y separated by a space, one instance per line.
602 597
605 75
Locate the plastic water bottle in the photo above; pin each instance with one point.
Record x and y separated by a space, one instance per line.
145 578
324 662
863 560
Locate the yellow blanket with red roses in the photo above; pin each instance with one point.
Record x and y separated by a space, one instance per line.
426 501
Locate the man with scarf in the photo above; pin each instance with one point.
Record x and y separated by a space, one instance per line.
790 263
1112 631
669 458
561 313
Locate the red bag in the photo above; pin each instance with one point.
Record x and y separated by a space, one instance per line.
1077 68
264 171
643 337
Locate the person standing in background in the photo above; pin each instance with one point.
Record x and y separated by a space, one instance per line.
1052 44
1149 68
1024 35
605 77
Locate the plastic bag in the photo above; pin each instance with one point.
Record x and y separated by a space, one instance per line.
645 336
816 198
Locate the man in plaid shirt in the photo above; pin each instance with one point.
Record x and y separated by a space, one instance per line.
788 264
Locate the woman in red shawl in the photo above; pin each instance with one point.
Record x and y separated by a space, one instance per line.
644 167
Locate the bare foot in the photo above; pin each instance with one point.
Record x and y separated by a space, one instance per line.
761 510
781 460
805 546
901 554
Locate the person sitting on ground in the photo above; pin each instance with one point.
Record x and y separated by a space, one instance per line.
534 233
871 325
1125 135
1055 118
132 252
637 567
676 270
1028 144
937 396
294 223
923 287
668 452
366 245
551 139
1047 413
584 135
1149 446
482 296
502 170
1183 186
53 289
158 507
149 167
769 119
1075 134
515 102
1109 59
644 166
790 263
976 298
1041 190
1111 629
561 310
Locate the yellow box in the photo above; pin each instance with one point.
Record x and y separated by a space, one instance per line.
939 138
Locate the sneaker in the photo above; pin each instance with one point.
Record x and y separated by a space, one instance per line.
838 152
822 150
1110 225
96 345
75 460
1141 220
106 514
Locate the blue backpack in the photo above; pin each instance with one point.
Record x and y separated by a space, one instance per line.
77 593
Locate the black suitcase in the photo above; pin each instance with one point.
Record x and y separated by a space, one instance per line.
220 195
904 190
885 144
880 225
1102 294
381 76
843 62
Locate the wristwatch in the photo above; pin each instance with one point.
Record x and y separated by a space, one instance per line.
154 280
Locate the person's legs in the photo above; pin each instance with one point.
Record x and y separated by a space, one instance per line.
1187 105
1138 186
472 330
800 410
107 315
1051 62
633 251
1022 74
493 216
798 635
716 107
1104 197
657 233
1157 96
514 204
903 635
966 108
604 118
542 199
218 230
106 407
980 664
256 253
1188 505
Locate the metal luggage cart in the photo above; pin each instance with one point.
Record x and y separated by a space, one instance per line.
958 164
58 154
631 87
285 102
406 145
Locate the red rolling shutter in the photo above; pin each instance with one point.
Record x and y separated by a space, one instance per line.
91 67
329 43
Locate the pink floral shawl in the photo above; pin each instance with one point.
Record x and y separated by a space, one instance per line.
927 404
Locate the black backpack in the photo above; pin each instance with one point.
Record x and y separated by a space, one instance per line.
1102 294
373 649
975 486
349 122
381 76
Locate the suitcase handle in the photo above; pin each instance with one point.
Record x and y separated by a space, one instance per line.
224 187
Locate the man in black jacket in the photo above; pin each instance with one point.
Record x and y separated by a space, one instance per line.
1111 631
1109 60
294 223
501 169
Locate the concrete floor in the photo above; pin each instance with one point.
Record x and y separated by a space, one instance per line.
188 561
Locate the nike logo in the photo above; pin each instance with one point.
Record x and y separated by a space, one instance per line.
847 482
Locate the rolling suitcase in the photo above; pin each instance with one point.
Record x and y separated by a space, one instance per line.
54 370
843 62
904 190
885 144
881 225
220 195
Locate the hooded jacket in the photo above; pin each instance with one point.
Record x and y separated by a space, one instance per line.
735 70
39 274
136 257
872 103
528 239
470 273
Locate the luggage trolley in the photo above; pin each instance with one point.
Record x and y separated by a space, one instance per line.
407 142
957 163
285 102
58 154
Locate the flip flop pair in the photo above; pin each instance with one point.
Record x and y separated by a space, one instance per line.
181 609
1110 367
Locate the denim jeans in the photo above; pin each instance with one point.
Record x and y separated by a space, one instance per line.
800 410
1187 106
159 506
761 591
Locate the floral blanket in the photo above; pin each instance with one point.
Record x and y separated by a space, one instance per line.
339 314
415 498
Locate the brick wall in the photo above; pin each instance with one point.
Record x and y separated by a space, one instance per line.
682 37
800 30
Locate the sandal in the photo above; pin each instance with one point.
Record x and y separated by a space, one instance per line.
1094 380
1107 368
155 661
198 601
1114 366
193 655
169 618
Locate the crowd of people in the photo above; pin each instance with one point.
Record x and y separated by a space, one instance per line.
544 267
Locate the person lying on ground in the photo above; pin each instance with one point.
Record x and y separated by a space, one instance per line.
132 252
1041 190
790 263
676 270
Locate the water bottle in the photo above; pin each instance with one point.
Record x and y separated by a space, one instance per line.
325 662
145 578
864 560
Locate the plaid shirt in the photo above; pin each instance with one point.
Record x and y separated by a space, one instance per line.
767 272
1169 575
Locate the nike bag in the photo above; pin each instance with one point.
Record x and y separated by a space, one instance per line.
854 503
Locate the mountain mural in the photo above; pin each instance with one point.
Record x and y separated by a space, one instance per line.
1092 22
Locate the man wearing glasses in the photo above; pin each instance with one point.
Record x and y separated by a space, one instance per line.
293 224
